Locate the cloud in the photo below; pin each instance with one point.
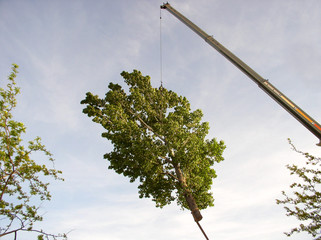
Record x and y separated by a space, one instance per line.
65 49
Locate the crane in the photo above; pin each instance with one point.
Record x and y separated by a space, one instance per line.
313 126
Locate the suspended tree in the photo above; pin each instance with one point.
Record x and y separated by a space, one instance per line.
22 186
159 141
304 202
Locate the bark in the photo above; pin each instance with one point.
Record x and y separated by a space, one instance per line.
180 176
188 195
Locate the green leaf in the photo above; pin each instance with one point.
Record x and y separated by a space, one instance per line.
156 136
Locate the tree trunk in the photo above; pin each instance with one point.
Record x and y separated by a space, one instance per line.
188 195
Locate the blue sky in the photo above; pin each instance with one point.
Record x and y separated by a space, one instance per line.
67 48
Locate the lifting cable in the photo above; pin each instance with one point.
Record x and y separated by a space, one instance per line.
161 81
160 48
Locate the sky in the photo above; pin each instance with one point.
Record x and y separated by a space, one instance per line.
67 48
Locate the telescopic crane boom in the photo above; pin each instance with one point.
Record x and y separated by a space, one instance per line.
307 121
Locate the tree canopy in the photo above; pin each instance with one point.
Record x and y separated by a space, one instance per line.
304 202
159 141
22 186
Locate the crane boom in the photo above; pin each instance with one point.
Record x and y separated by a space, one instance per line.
307 121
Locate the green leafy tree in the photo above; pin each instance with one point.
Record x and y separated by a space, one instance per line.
159 141
305 201
21 184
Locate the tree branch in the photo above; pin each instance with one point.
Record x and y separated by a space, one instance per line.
170 175
6 184
147 126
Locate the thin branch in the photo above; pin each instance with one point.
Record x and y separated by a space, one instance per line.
167 160
146 125
8 226
6 184
185 142
170 175
47 234
10 232
23 229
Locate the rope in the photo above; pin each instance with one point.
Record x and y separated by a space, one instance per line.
202 230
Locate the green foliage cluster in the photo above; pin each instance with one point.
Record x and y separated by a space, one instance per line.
21 177
157 140
305 201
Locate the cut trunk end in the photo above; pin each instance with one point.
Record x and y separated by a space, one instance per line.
197 215
188 195
193 207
